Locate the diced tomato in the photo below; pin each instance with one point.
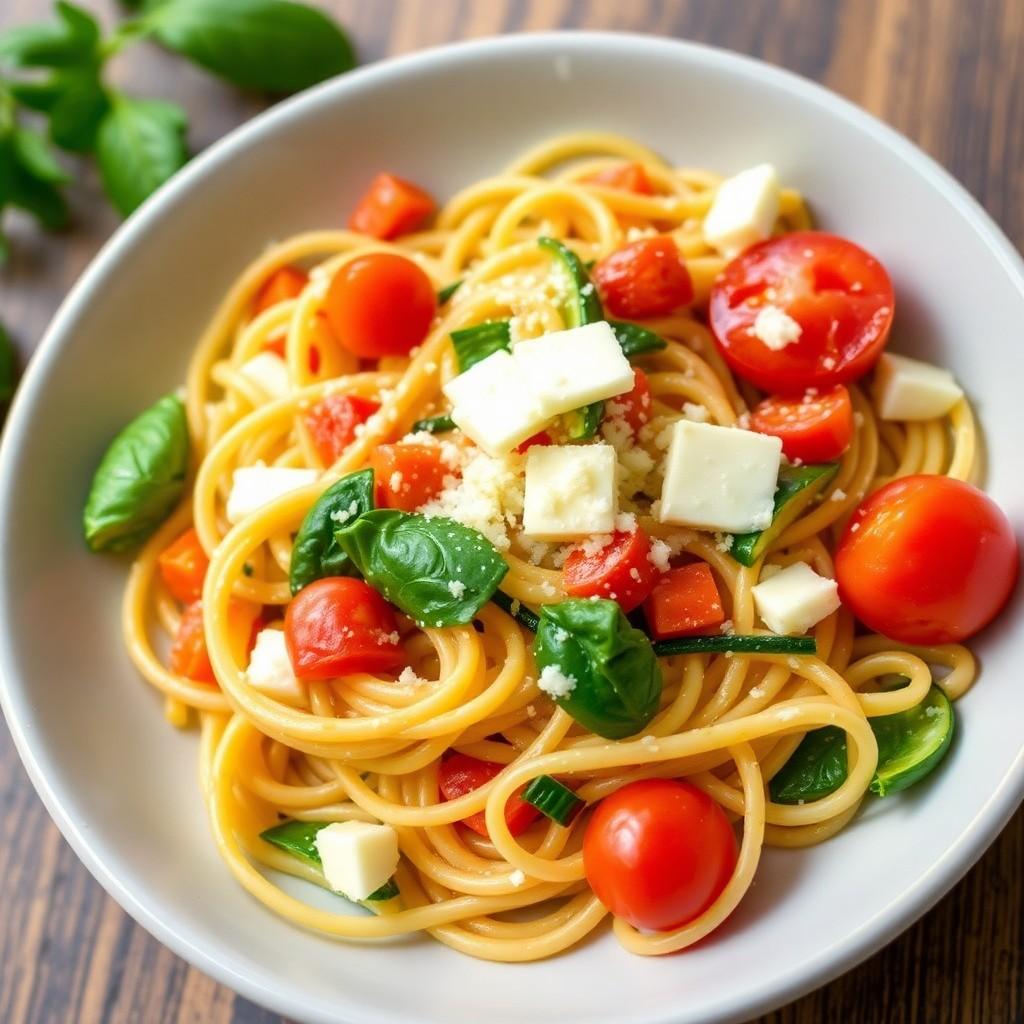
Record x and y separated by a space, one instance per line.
621 570
839 296
628 177
183 567
332 422
461 774
381 304
391 207
407 475
644 279
684 601
275 344
542 438
815 428
189 656
286 283
339 625
634 406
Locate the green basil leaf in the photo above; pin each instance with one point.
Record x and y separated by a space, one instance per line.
316 553
70 40
436 570
141 143
140 478
911 743
78 109
39 96
435 425
40 198
476 343
36 157
270 45
635 340
448 291
617 677
8 367
816 768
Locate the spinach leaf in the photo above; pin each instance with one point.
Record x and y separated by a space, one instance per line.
617 677
436 570
8 367
816 768
635 340
476 343
140 478
316 553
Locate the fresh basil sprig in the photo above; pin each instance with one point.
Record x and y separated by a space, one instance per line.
8 368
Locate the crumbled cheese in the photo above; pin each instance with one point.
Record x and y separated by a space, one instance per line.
531 711
723 541
343 515
457 588
597 543
695 412
775 328
517 878
395 481
560 635
554 684
408 677
838 495
625 522
659 555
726 628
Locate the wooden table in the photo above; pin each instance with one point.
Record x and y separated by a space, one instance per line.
948 73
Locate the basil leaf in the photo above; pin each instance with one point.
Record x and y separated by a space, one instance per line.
8 367
911 743
78 109
71 40
434 425
39 96
316 553
816 768
40 198
436 570
270 45
476 343
140 478
36 158
448 291
617 677
141 143
635 340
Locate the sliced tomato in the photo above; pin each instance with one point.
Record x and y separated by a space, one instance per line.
838 295
407 475
634 406
275 344
391 207
189 656
815 428
629 177
332 422
460 774
644 279
339 625
286 283
381 304
183 567
621 570
684 601
542 438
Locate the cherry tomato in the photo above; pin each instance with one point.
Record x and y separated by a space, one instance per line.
407 475
380 304
332 422
815 428
183 567
628 177
644 279
839 295
286 283
542 438
927 560
391 207
621 570
461 774
634 406
684 601
337 626
658 853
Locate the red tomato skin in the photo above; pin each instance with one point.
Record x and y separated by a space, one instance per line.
609 572
332 422
840 295
927 560
407 475
815 428
380 304
286 283
461 774
542 438
684 602
390 207
339 625
183 566
188 656
630 177
634 406
658 853
644 279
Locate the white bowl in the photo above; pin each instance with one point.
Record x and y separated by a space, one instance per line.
122 785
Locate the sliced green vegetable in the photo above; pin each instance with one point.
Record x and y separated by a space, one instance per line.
476 343
584 304
434 425
517 610
616 677
797 488
635 340
139 480
316 553
582 424
552 799
447 292
436 570
816 768
912 742
745 644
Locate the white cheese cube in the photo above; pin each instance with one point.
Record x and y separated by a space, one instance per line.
569 369
907 389
493 403
269 373
252 487
719 478
794 599
270 669
743 211
570 491
357 857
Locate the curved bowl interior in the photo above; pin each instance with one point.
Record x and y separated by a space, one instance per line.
122 784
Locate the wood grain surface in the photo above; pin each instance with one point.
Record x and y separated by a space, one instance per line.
948 73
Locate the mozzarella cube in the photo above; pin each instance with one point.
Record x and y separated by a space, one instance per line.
570 491
270 669
907 389
744 210
269 373
494 405
252 487
357 857
569 369
795 598
720 478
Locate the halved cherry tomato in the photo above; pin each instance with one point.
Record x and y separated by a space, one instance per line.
621 570
460 774
815 428
407 475
183 567
332 422
684 601
380 304
927 560
644 279
286 283
634 406
275 344
339 625
391 207
839 295
629 177
189 656
542 438
658 853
